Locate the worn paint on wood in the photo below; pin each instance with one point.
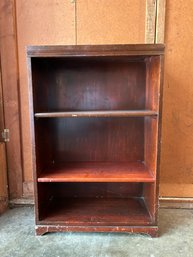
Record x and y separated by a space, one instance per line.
110 22
150 22
160 21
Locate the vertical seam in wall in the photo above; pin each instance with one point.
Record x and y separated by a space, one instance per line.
75 22
18 88
156 17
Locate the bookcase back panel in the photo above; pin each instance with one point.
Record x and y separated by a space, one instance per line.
84 190
88 84
90 139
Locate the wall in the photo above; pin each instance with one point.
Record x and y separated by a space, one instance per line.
177 148
116 22
63 22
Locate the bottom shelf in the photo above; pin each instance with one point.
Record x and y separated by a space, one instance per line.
97 212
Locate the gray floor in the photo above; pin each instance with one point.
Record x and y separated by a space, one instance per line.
17 238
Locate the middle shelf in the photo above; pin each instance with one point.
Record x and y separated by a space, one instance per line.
112 113
97 172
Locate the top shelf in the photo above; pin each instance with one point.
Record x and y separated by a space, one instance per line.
79 114
95 50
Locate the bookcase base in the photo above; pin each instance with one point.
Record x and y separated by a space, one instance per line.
149 230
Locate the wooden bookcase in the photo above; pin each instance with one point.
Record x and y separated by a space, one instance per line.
95 115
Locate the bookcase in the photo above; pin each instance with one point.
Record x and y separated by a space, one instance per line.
96 119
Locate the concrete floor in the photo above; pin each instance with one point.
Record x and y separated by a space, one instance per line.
17 238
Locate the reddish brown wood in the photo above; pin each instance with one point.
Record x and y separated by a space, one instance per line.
148 230
151 144
149 194
97 172
88 84
96 50
97 211
89 139
95 113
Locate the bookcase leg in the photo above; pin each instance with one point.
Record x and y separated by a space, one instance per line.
154 233
40 231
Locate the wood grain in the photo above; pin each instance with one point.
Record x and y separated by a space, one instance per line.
39 22
10 79
97 172
96 211
110 22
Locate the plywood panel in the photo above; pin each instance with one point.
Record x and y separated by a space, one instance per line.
39 23
177 146
11 95
110 22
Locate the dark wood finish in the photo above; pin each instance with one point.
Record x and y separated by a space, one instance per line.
141 113
96 113
97 211
97 172
92 190
89 139
88 84
96 50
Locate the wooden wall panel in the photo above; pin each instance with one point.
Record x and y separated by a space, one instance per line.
102 22
110 22
39 23
177 141
10 85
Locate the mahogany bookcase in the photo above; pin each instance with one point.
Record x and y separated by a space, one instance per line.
96 119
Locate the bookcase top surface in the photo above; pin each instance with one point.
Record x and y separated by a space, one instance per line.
95 50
